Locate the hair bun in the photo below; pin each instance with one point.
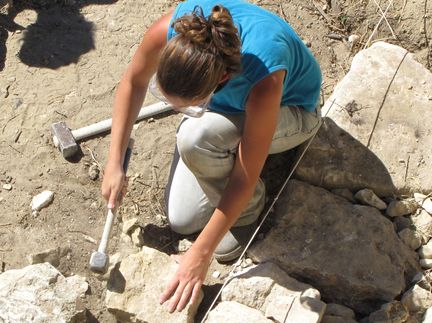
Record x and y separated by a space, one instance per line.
194 27
216 34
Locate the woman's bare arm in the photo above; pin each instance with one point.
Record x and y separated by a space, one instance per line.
128 100
261 119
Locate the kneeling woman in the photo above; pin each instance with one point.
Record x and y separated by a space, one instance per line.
247 86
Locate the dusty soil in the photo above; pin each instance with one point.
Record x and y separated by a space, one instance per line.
62 61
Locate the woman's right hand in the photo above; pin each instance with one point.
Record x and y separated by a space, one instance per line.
114 184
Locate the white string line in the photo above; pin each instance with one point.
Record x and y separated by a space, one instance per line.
385 18
378 24
238 262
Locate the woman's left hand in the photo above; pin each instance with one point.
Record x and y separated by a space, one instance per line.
187 281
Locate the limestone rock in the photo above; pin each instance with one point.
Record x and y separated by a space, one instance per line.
339 310
393 312
135 285
426 250
373 142
40 293
368 197
268 288
42 200
403 207
417 299
411 238
234 312
328 242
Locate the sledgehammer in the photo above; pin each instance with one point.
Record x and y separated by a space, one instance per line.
66 139
98 259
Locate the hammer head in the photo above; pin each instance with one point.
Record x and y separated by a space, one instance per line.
63 139
98 261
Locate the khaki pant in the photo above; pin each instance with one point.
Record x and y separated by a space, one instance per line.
205 155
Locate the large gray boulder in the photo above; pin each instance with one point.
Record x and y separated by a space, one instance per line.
135 285
278 296
41 294
350 253
377 134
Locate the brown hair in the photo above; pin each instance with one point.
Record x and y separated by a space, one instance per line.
194 61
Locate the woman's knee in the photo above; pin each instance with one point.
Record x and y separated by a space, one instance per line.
210 135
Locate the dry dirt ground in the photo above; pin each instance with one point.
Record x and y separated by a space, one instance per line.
61 60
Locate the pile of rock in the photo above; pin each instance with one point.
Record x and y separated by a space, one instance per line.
352 225
40 293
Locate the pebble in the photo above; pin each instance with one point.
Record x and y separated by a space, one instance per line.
42 200
368 197
353 39
216 274
7 187
93 172
184 245
400 208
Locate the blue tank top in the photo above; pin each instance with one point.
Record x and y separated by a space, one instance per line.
269 44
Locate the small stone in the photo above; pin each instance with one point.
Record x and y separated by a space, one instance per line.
42 200
216 274
427 205
390 312
411 238
353 39
93 172
345 193
417 299
184 245
426 263
368 197
7 187
400 208
151 120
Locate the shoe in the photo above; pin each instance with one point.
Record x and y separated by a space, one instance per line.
234 242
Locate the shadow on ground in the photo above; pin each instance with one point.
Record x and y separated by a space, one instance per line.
58 37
